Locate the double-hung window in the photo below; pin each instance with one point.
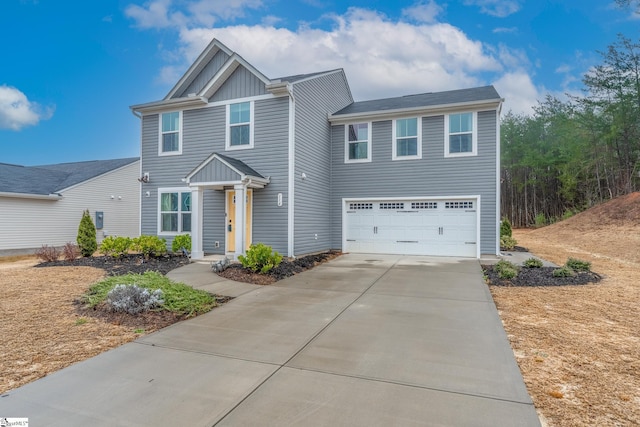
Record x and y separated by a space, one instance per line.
460 139
175 211
170 133
407 141
240 125
358 143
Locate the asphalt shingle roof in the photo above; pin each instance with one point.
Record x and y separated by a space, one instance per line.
240 166
421 100
49 179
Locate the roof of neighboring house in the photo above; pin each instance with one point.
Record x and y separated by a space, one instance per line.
484 93
50 179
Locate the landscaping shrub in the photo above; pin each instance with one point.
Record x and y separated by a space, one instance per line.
70 251
563 271
260 258
48 253
578 264
532 263
178 297
181 241
506 270
540 220
133 299
149 245
505 227
86 239
115 246
508 243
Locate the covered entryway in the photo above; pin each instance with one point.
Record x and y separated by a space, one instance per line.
441 227
237 180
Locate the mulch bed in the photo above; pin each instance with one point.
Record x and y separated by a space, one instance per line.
132 263
542 276
287 268
515 249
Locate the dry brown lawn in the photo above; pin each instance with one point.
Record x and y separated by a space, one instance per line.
578 347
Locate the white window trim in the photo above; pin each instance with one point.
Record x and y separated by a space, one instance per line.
474 135
346 143
170 153
159 224
228 146
394 155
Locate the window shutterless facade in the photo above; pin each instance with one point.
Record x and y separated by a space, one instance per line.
174 211
239 125
358 143
460 135
170 133
407 139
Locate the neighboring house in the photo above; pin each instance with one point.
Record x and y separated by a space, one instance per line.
235 158
43 205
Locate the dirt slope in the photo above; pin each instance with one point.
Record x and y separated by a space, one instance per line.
578 347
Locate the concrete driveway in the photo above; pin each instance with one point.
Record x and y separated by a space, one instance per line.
361 340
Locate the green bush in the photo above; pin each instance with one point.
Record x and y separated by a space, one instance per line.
508 243
506 269
87 242
540 220
260 258
181 241
532 263
115 246
563 271
505 227
578 264
149 245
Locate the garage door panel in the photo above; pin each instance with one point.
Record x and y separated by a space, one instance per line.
420 227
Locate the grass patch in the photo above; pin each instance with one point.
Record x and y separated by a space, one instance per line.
81 321
178 297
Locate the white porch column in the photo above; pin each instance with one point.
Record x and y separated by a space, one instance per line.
196 223
240 220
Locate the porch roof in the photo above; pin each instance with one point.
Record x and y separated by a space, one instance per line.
219 171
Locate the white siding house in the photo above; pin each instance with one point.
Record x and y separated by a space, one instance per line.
43 205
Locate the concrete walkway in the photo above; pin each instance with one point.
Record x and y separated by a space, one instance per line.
363 340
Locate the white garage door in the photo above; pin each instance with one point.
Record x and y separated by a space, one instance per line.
414 227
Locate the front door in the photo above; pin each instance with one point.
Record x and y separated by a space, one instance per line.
231 219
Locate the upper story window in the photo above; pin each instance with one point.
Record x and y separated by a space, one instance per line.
358 143
240 125
407 141
175 211
460 138
170 133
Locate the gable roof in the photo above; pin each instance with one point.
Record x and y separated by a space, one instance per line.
218 171
45 180
432 100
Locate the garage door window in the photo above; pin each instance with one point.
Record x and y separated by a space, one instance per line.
358 142
407 141
461 135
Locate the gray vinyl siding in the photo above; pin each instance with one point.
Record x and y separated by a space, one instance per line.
432 176
205 75
315 99
241 84
204 134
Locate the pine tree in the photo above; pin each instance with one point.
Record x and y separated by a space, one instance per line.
86 239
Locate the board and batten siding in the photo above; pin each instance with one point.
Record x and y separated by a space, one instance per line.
204 134
31 223
206 74
315 99
432 176
241 84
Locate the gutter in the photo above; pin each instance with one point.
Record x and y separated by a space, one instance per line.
52 196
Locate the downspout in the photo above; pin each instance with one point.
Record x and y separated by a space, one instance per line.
291 178
139 116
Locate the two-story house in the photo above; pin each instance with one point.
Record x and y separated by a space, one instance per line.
233 158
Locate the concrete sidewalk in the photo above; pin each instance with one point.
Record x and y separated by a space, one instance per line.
361 340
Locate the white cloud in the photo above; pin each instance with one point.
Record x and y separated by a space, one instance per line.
499 30
382 57
16 111
423 11
498 8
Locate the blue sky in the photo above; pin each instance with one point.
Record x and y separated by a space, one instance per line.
69 70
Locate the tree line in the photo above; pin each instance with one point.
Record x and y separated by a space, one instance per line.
572 154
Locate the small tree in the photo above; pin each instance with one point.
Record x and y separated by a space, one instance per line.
86 239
